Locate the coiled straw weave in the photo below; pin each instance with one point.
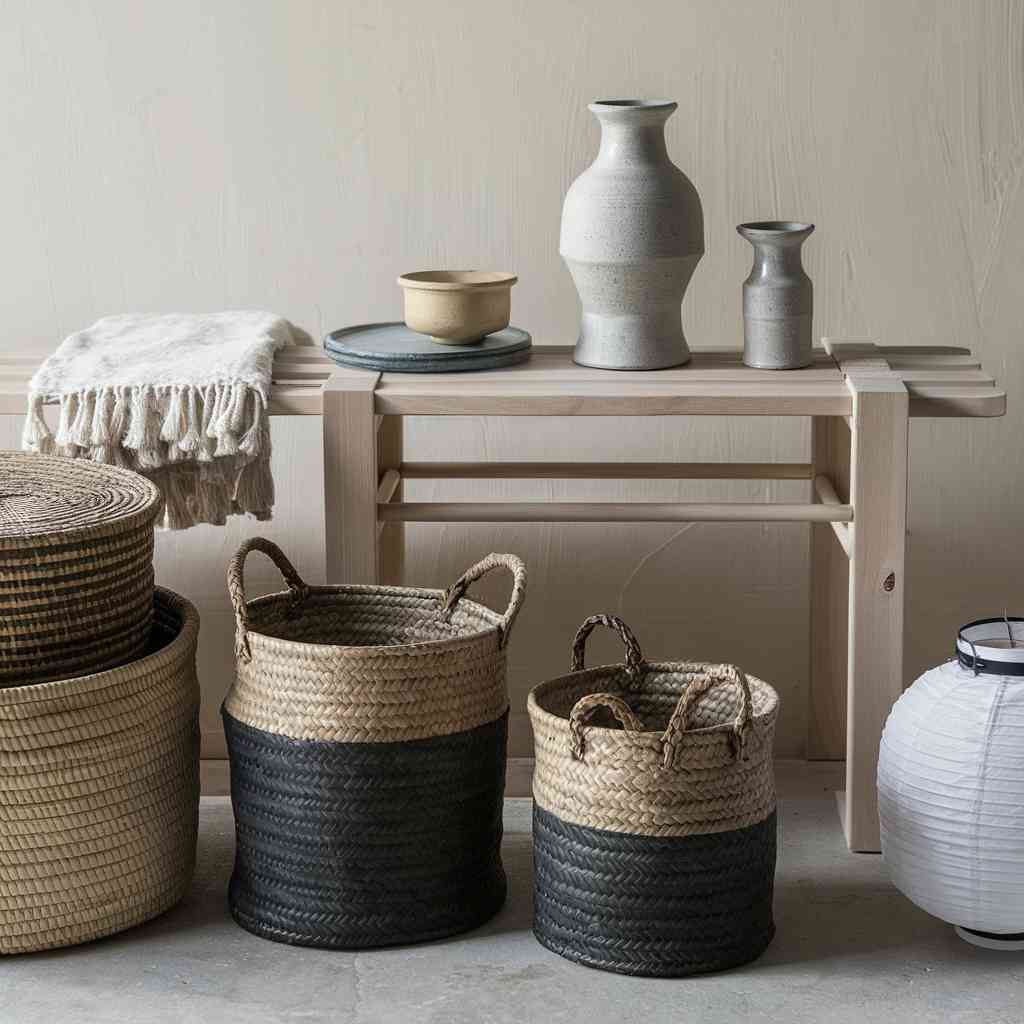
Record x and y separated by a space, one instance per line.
367 733
99 792
76 566
654 813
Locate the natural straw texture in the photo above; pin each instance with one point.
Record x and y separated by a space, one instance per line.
654 813
99 793
76 566
367 732
694 757
362 664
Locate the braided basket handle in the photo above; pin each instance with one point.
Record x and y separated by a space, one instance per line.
512 564
583 710
236 587
634 663
702 678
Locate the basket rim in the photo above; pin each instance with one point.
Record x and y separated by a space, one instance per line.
370 590
112 525
535 709
187 634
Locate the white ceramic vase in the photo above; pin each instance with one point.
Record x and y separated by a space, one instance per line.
632 234
951 787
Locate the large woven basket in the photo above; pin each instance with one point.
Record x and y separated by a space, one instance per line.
654 813
99 793
76 566
367 732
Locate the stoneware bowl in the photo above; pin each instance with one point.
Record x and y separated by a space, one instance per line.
457 307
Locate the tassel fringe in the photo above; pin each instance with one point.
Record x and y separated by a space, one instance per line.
207 449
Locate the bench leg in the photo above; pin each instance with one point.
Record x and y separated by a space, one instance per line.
392 535
350 478
830 570
878 490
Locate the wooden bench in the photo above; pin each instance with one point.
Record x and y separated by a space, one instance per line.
859 397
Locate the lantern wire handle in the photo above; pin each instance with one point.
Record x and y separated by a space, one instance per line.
974 656
1009 630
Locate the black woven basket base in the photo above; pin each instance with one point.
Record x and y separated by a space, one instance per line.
361 845
654 906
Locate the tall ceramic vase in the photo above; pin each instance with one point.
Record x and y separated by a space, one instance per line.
632 234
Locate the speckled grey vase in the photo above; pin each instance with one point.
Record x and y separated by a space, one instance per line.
632 234
778 297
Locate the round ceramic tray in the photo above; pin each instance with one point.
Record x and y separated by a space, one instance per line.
394 348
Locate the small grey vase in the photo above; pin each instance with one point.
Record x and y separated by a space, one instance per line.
778 297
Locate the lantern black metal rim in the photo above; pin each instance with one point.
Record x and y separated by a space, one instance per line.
996 936
993 663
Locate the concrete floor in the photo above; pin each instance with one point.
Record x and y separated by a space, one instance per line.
849 948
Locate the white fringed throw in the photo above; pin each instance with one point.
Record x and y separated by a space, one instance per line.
181 398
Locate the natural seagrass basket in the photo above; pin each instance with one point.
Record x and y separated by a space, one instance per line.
76 566
367 729
654 813
99 792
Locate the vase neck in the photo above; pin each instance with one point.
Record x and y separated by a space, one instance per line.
777 246
632 131
771 258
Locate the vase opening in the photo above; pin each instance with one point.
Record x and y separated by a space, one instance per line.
778 231
777 225
634 113
634 103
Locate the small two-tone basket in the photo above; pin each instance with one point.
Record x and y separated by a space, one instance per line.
654 813
367 732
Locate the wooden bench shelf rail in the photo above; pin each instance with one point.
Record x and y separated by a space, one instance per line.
606 470
609 512
826 494
858 396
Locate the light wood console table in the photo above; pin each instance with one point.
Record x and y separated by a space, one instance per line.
859 397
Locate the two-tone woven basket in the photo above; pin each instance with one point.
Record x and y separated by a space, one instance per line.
654 813
76 566
367 731
99 792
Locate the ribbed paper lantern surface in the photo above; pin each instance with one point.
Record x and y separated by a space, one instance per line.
951 787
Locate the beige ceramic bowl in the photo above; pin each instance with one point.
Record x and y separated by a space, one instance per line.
457 307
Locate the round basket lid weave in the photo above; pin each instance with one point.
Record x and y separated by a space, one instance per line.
76 566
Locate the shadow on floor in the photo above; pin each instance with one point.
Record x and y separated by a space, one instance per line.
817 922
817 919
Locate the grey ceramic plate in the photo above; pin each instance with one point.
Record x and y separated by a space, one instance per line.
394 348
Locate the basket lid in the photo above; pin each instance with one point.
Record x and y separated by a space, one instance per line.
992 646
43 495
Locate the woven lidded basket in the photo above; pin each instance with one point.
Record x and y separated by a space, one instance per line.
76 566
654 813
99 792
367 730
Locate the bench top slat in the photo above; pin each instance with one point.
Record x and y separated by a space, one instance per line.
942 381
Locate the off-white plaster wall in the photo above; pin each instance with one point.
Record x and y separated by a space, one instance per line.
297 155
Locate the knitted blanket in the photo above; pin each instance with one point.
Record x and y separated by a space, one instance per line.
180 398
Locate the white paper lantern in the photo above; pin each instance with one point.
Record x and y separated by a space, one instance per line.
951 787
